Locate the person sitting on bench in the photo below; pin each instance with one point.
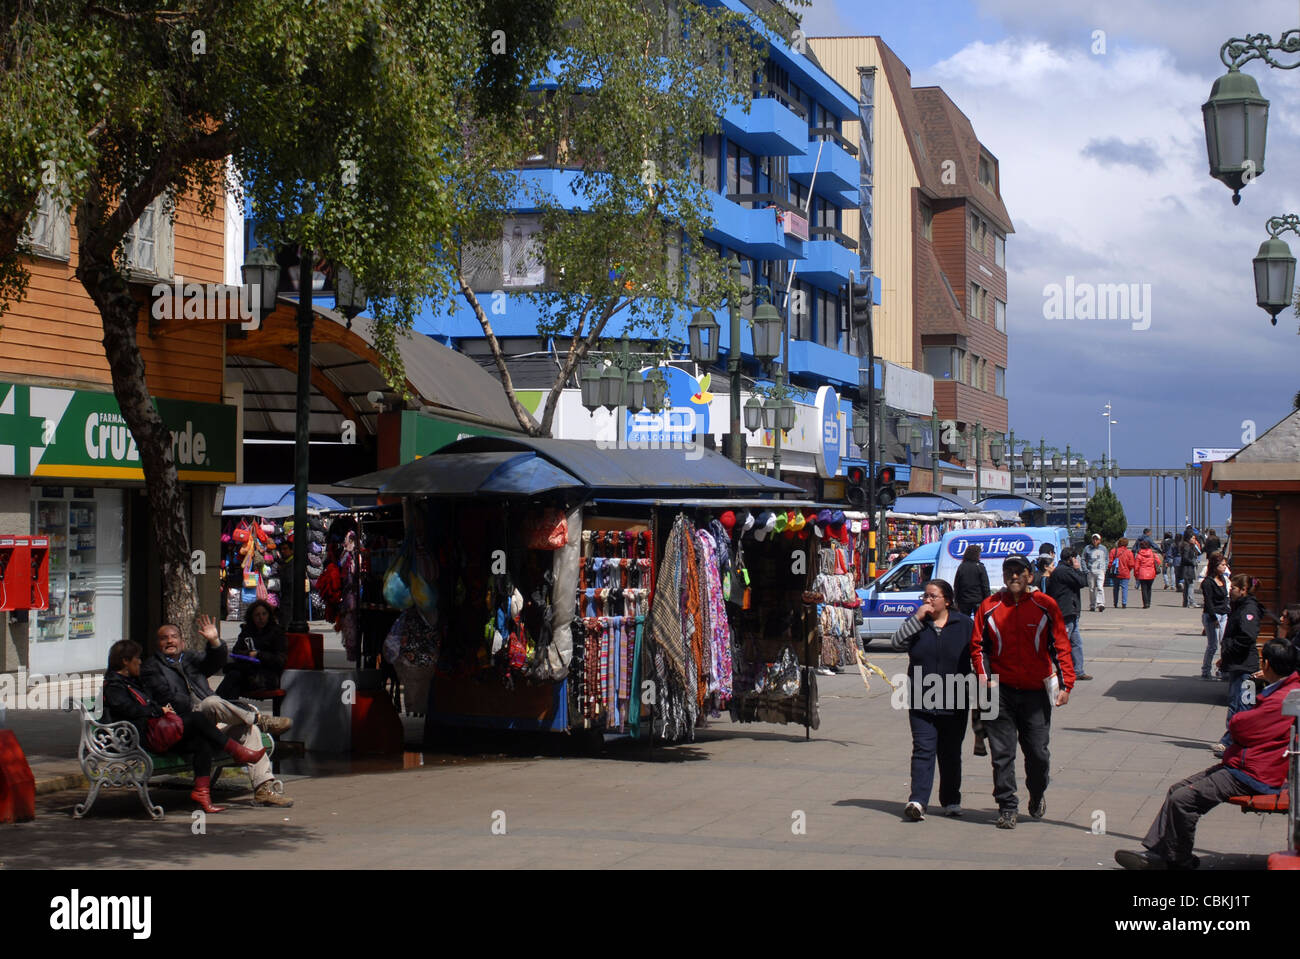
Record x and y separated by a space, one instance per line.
126 699
1254 764
180 679
259 655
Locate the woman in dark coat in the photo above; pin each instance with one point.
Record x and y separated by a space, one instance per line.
970 584
264 649
1239 659
126 699
937 639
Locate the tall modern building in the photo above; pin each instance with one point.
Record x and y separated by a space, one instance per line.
936 225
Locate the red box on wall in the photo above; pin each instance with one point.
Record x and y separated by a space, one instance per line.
16 572
39 565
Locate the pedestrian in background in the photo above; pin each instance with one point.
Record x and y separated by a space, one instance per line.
1289 626
1212 543
1121 568
1169 552
1214 607
937 638
1094 559
1145 566
970 583
1239 658
1189 550
1063 586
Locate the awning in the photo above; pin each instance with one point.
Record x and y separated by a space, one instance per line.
1011 504
529 465
470 474
272 501
930 504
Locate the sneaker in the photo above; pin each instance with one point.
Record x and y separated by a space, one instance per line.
275 725
265 795
1218 749
1006 819
1101 609
914 812
1038 807
952 810
1084 676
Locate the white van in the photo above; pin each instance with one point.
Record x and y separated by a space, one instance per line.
895 594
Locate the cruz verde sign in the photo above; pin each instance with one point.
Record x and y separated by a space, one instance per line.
79 434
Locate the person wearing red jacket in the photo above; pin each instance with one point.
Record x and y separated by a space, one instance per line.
1255 764
1121 569
1019 646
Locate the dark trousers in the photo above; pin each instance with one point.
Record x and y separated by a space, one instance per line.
1146 591
935 736
203 739
1173 833
968 609
1024 715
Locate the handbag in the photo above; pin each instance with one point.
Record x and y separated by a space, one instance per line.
240 534
548 529
165 731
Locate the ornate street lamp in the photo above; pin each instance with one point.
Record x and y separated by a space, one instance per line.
1275 267
656 390
916 442
703 330
767 332
753 414
261 274
861 430
1236 121
590 382
611 386
1027 457
995 450
349 295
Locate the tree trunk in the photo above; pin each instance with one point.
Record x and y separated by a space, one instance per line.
526 421
167 508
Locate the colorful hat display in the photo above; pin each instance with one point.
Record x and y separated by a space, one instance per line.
728 521
765 525
782 523
745 520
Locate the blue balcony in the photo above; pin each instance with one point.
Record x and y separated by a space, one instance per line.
837 171
755 233
822 363
770 128
826 262
555 183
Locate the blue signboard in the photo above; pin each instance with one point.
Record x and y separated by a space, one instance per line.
892 607
993 545
686 415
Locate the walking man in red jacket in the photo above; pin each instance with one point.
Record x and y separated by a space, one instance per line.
1021 648
1255 763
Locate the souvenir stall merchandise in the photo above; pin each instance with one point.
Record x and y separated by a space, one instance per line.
838 560
257 560
907 531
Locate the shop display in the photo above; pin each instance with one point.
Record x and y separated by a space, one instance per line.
79 570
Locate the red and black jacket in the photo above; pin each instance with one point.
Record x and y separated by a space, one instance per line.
1021 643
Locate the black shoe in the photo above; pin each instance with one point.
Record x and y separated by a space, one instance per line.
980 748
1083 676
1006 819
1038 807
1145 859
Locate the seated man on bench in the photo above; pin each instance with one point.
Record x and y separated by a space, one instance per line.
1255 764
180 679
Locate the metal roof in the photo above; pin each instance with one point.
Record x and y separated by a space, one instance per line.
470 474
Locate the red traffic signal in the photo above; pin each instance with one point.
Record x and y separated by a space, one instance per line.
886 476
857 476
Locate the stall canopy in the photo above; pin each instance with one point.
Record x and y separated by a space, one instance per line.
930 504
1011 504
270 500
525 466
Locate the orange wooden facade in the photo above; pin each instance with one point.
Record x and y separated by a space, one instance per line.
54 335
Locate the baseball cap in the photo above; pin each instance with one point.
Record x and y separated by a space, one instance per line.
1015 564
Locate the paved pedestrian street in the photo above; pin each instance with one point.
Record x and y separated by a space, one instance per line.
751 796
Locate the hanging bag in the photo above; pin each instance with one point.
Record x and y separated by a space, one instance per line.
548 530
165 731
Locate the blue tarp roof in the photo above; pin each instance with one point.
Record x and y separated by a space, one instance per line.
270 499
930 503
527 466
1012 504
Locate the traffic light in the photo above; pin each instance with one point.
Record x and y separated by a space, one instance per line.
885 494
855 490
859 304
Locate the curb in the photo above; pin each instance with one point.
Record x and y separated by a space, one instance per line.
55 784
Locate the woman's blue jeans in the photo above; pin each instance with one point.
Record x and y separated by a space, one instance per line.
1214 623
1120 584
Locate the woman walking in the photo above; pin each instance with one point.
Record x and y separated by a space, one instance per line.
970 583
1121 568
1169 553
1239 658
1145 566
1188 552
1214 607
937 638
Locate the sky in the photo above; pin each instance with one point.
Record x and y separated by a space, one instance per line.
1104 172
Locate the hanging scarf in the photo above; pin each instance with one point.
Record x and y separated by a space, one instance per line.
693 622
719 633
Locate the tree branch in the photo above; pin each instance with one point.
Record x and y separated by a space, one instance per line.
530 425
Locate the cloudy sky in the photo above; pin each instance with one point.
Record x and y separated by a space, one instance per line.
1105 175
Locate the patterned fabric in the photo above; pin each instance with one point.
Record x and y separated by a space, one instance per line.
675 711
693 625
720 666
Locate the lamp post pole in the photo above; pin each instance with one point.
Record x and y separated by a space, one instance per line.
1042 469
1068 490
298 621
737 440
934 450
1011 462
979 443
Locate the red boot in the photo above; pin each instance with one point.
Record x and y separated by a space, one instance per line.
242 753
202 794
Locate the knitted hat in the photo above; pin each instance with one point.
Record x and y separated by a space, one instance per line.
728 521
745 520
765 525
782 522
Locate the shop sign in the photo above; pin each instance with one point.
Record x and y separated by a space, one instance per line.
1201 454
685 417
997 545
826 454
81 433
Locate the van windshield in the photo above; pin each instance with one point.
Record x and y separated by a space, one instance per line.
908 578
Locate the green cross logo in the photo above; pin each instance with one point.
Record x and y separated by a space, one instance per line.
21 429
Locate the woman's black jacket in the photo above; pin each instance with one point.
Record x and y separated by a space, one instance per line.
970 584
121 703
1239 635
939 653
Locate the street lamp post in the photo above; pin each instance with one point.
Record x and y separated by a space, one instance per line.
934 450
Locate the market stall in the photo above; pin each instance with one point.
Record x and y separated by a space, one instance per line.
554 593
919 518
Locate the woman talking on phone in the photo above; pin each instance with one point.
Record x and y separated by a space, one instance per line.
937 638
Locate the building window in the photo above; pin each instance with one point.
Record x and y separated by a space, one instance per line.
986 173
1000 381
1000 250
1000 316
975 241
149 242
49 230
510 261
927 221
976 305
801 311
943 362
974 371
708 173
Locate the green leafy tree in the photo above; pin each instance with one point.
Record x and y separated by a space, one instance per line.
1105 515
337 114
625 109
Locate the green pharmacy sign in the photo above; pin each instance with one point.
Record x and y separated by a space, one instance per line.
80 434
